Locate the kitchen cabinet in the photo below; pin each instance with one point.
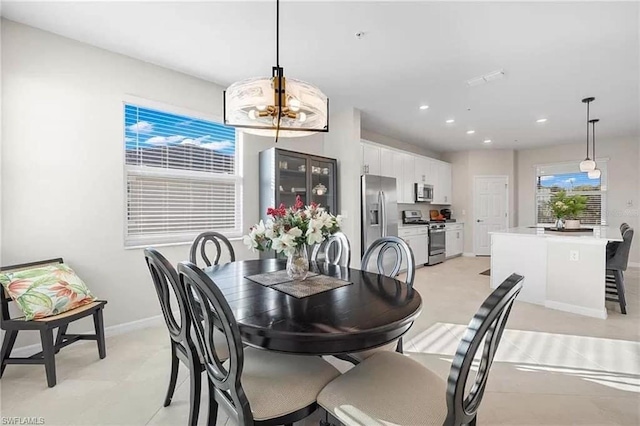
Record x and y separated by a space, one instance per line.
387 163
454 239
441 178
407 172
417 237
423 173
371 159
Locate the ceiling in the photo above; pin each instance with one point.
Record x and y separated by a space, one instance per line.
412 53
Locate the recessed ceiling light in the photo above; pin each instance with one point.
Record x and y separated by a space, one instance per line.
470 132
541 120
487 141
424 106
449 121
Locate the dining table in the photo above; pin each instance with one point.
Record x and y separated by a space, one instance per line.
370 311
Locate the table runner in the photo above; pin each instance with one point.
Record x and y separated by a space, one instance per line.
314 283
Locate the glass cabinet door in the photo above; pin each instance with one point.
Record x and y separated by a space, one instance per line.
323 184
292 171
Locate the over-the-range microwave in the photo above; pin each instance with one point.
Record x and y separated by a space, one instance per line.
424 193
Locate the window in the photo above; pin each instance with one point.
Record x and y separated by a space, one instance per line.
182 177
552 178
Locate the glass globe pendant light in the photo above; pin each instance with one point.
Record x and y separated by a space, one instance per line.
595 173
588 164
276 106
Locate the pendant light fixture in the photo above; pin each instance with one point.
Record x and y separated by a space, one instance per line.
595 173
276 106
588 164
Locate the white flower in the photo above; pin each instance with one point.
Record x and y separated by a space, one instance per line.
339 220
250 242
286 242
314 232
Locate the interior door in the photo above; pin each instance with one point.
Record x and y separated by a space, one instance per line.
490 210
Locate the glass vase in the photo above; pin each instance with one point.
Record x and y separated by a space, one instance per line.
559 224
298 264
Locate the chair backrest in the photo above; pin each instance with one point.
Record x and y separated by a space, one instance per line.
4 296
200 242
620 259
484 330
207 306
390 265
336 250
166 282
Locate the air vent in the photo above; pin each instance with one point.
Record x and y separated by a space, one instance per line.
492 76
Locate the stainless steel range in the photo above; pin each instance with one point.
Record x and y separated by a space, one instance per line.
437 235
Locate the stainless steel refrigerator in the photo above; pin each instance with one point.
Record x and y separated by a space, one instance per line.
379 208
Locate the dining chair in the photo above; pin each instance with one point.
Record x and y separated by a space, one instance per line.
335 250
380 251
50 342
613 245
254 387
389 388
615 267
167 285
200 245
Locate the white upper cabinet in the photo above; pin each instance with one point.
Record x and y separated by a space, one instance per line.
407 168
371 159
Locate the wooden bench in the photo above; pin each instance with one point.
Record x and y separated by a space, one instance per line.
46 326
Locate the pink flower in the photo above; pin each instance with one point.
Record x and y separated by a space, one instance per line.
299 204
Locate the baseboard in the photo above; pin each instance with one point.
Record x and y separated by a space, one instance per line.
113 330
468 255
595 313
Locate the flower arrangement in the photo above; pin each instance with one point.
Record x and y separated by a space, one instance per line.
288 228
566 206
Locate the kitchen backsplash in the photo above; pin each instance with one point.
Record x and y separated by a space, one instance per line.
424 208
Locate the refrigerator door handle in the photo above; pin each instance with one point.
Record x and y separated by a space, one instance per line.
383 213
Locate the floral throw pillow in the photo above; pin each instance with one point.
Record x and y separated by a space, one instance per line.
46 291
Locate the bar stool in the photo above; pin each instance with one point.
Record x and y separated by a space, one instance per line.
616 265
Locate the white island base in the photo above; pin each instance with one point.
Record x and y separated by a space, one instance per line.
562 271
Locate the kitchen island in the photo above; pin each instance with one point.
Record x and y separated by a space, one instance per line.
562 270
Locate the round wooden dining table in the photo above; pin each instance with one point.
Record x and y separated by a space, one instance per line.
370 312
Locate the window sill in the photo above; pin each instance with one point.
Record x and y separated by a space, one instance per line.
183 243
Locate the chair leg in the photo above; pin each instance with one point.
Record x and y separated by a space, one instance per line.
175 363
195 380
61 331
48 354
620 288
7 346
473 422
98 325
213 405
399 347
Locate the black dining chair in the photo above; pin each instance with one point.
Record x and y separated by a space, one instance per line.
386 257
167 285
199 246
335 250
613 245
254 387
389 388
616 265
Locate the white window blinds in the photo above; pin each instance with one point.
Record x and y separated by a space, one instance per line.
182 177
553 178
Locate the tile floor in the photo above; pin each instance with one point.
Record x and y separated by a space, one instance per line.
552 368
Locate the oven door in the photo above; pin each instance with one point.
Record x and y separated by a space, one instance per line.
437 241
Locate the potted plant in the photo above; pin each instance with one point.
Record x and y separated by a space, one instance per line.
568 208
290 230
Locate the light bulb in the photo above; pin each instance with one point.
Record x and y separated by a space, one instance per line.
261 107
294 104
587 165
252 114
302 117
594 174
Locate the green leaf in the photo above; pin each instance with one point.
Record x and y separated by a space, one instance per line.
37 299
79 289
31 273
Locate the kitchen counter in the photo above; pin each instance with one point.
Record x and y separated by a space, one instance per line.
562 270
603 233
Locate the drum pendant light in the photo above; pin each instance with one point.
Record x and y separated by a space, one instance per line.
595 173
588 164
276 106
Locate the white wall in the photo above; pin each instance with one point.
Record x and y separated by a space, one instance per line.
623 180
465 166
62 161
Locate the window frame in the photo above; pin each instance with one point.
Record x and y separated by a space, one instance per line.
602 165
136 242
